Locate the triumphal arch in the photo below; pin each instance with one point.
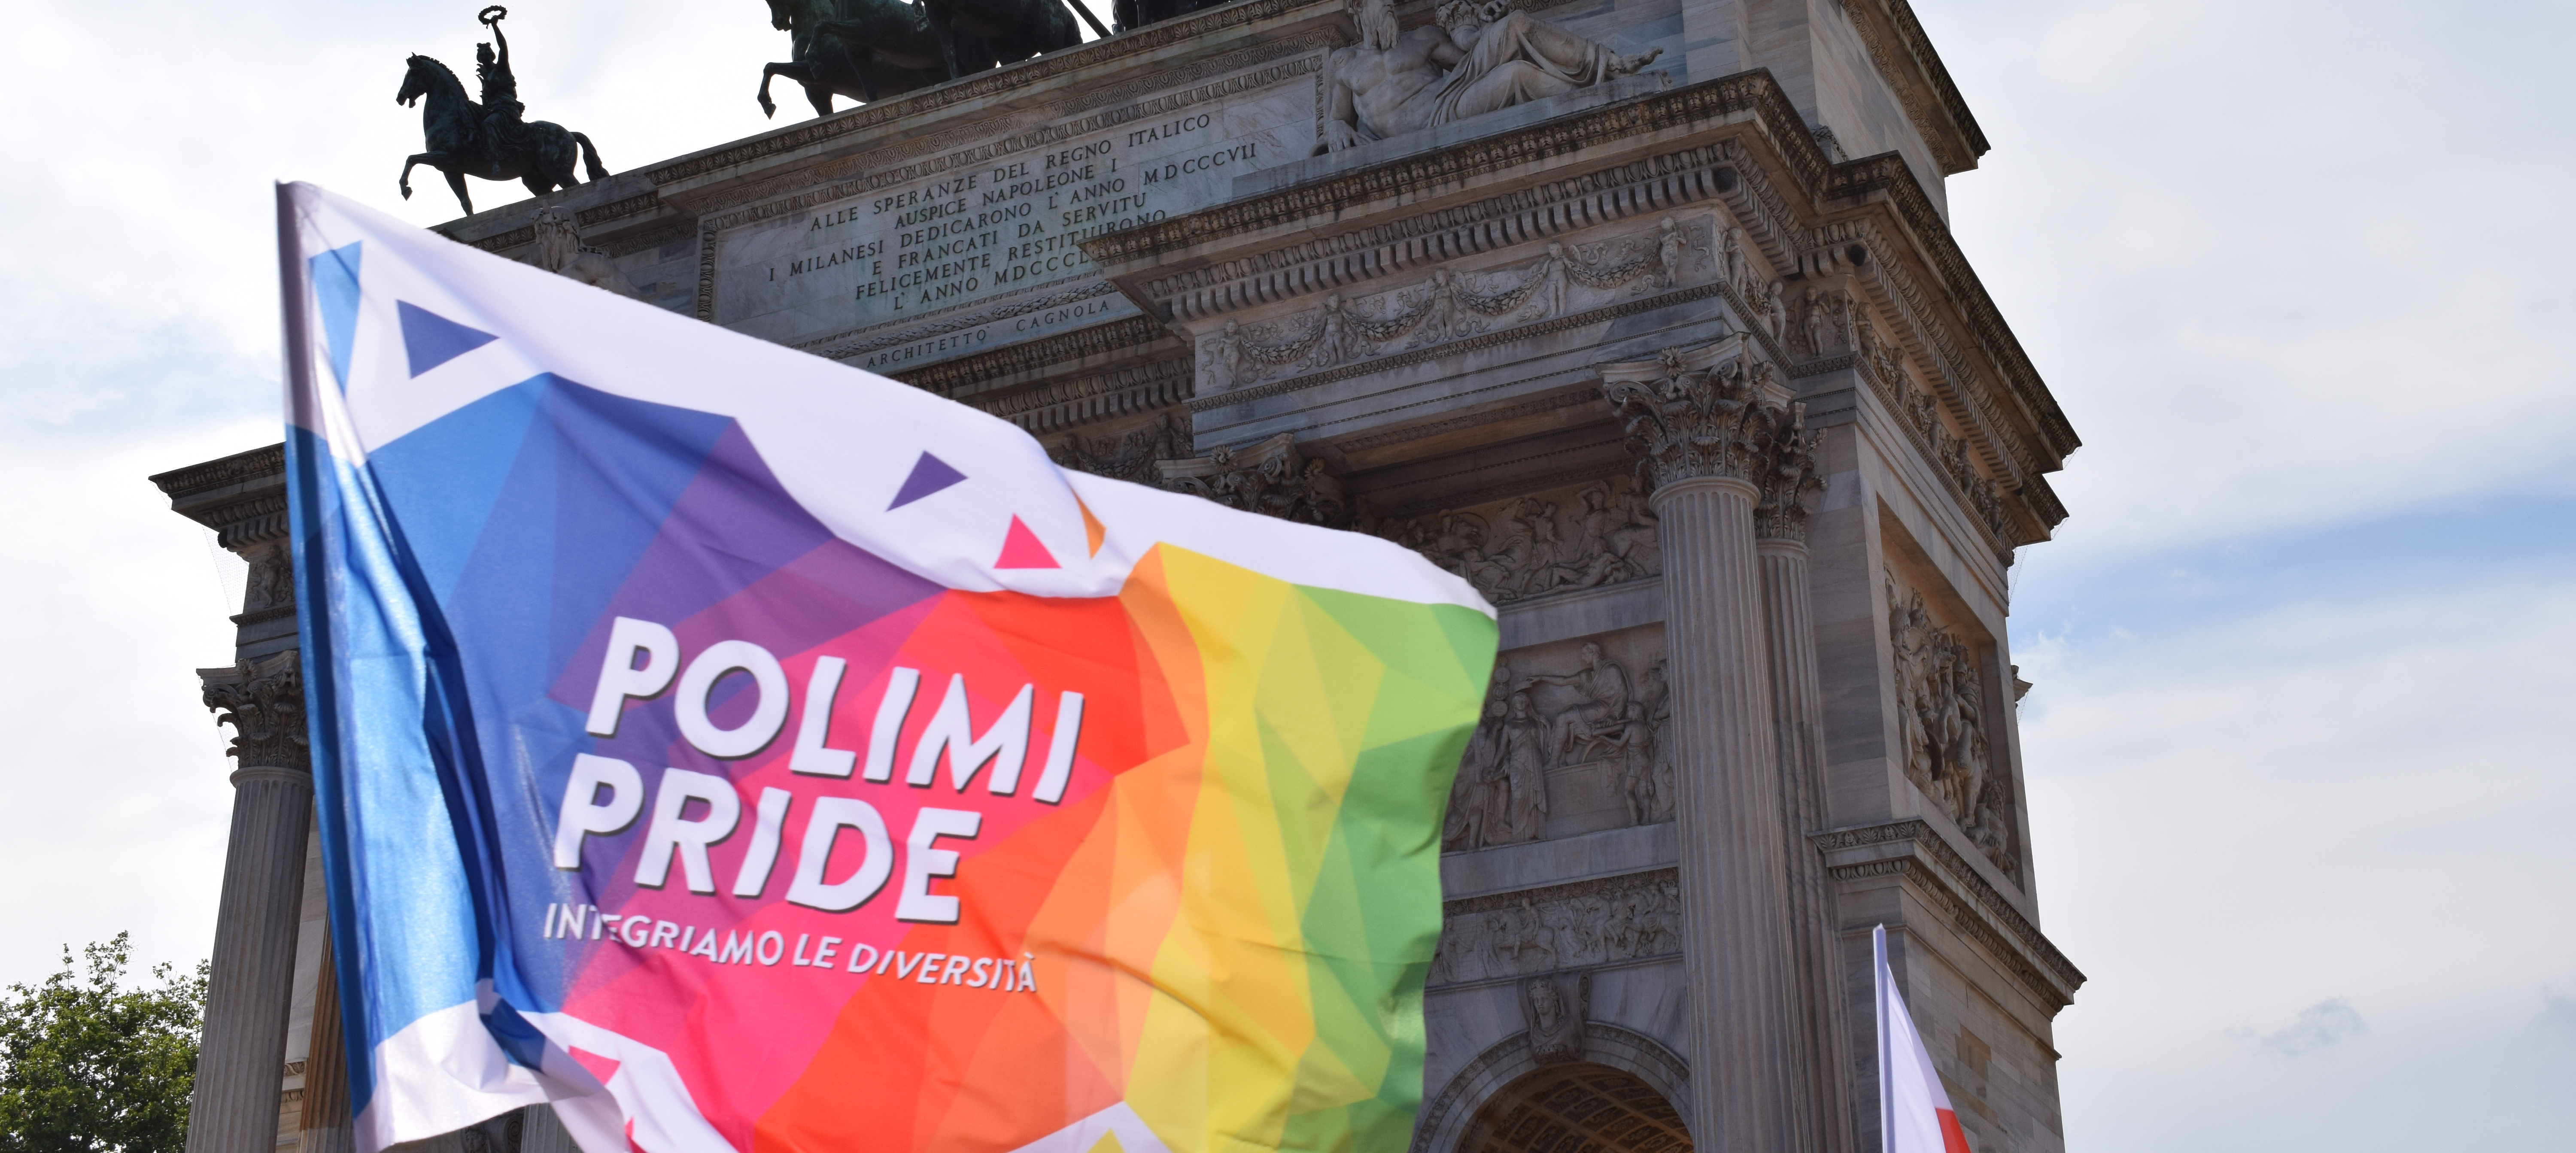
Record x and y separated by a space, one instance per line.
1641 315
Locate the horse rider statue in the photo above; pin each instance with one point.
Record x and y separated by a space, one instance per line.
489 140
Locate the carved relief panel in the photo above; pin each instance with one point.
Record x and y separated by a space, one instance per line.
1571 742
1576 537
1520 935
1455 303
1946 719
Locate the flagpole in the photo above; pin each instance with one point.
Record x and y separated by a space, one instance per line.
1878 980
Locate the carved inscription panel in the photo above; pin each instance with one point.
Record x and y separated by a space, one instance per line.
977 244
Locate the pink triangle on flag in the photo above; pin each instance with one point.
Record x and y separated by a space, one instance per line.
1020 549
599 1066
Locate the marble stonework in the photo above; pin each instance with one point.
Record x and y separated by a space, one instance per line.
1681 368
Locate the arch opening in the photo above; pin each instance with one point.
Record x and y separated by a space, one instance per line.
1576 1107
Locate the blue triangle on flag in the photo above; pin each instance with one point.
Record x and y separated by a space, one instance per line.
335 289
430 340
929 474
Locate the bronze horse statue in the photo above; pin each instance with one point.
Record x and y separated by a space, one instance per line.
1135 14
862 49
871 49
488 140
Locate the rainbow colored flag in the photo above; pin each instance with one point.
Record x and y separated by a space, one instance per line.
744 752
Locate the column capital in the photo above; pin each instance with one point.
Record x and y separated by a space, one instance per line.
1786 473
1717 411
263 700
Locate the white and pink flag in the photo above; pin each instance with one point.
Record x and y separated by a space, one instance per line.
1914 1114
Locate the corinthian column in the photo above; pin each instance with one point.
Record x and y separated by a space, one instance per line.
240 1064
1698 420
1786 472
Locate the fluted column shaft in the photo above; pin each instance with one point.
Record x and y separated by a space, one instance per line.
240 1064
324 1126
1732 860
1797 724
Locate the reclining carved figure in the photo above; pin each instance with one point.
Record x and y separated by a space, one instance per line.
1477 59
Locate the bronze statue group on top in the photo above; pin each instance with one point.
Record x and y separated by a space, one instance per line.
489 138
862 49
1479 56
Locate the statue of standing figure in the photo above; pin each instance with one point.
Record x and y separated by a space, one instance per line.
1523 769
1477 59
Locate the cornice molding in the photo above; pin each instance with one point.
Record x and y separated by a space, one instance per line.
950 378
1887 173
242 497
1933 106
1422 176
1909 32
1060 405
1976 909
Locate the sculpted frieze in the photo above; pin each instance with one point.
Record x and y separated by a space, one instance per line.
1517 935
1946 722
1530 546
1883 363
1572 740
1454 304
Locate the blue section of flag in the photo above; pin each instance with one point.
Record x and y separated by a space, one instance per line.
929 475
430 340
335 289
407 922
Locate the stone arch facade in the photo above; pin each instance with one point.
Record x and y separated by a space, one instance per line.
1447 1116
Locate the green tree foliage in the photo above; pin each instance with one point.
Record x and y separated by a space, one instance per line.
87 1066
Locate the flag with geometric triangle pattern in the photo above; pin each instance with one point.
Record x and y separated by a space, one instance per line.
740 751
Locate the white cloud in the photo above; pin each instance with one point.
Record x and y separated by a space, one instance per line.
2326 1024
2557 1015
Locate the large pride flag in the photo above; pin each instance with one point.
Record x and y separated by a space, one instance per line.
743 752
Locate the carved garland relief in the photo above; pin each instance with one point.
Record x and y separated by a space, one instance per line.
1946 726
1454 304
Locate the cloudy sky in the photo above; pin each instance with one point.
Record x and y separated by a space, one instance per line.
2299 753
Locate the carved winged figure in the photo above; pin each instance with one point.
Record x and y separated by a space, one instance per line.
488 140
